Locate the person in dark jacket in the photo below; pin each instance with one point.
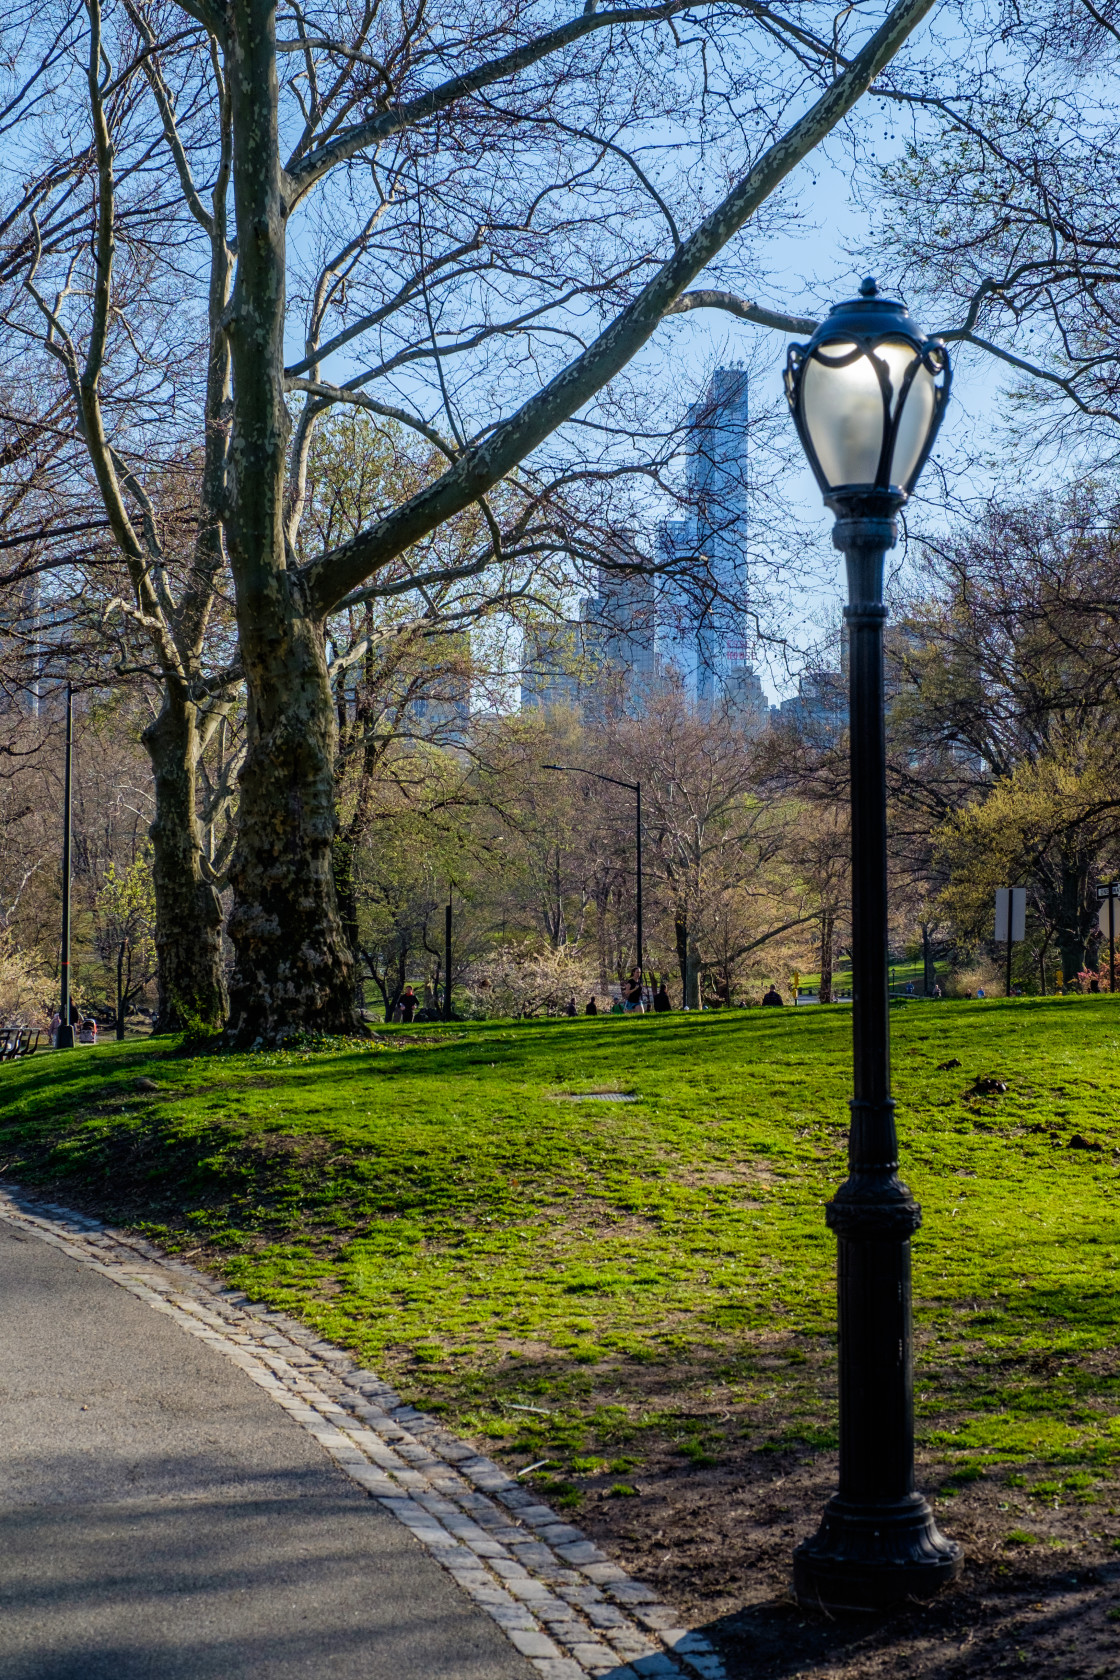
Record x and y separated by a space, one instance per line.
661 1000
773 996
592 1007
409 1001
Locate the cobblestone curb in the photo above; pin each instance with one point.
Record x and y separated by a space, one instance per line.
556 1596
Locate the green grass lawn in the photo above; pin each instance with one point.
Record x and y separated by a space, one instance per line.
580 1281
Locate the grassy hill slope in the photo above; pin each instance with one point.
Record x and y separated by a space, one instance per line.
640 1284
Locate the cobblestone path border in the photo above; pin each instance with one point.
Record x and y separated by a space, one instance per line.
556 1596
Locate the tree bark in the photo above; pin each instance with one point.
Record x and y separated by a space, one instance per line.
1071 936
188 933
293 967
688 959
828 922
929 970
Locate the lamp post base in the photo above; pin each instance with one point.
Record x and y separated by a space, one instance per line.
64 1038
874 1557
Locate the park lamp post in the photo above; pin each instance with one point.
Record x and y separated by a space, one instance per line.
64 1038
867 394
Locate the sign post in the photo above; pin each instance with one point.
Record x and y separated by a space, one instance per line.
1011 920
1106 918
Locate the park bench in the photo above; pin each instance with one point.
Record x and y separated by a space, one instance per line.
16 1042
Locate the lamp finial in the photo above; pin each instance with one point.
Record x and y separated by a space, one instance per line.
869 287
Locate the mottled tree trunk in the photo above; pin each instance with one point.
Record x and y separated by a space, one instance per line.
188 933
688 960
293 967
929 967
692 976
828 923
1072 927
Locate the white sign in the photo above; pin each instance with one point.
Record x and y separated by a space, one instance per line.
1013 900
1102 916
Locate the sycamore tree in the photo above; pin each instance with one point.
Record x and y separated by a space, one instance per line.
470 219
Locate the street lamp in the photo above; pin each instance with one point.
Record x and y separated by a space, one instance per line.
64 1038
636 789
867 393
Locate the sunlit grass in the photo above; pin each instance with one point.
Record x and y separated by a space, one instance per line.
566 1278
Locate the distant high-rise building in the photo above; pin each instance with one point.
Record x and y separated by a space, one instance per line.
819 709
637 626
606 656
700 619
744 694
442 708
552 661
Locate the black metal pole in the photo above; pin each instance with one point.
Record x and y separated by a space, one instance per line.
638 794
877 1544
447 959
64 1039
1009 945
1112 938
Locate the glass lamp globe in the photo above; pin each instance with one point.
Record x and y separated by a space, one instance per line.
867 394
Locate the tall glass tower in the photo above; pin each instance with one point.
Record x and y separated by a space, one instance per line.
700 622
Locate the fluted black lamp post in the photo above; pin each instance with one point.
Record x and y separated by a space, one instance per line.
867 394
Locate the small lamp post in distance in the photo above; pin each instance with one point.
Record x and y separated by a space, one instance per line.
867 394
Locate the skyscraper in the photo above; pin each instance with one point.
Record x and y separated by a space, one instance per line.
689 617
700 619
604 657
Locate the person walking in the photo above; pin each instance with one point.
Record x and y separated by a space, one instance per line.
632 993
409 1004
661 1000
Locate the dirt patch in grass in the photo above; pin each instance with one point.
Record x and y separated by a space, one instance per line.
1039 1597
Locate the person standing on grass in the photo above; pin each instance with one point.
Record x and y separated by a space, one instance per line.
409 1002
773 997
592 1007
632 993
661 1000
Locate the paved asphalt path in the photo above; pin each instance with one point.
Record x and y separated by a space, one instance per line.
162 1519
